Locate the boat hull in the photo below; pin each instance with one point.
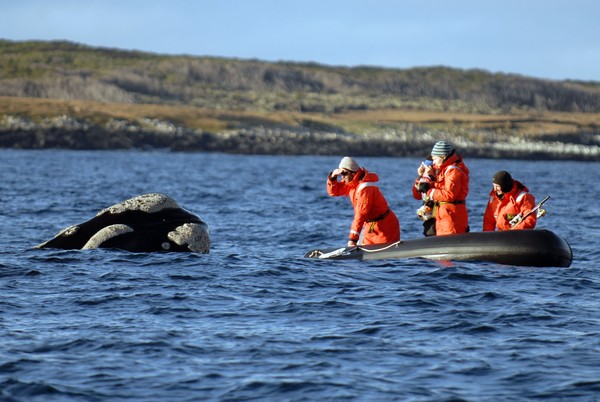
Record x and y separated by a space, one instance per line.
534 248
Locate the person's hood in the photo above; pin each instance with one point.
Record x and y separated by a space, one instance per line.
455 159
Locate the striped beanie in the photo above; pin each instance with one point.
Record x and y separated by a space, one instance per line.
441 148
349 164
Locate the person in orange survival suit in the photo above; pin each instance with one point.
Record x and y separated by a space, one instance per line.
449 190
509 202
372 215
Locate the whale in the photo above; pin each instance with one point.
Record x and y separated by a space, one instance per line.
145 223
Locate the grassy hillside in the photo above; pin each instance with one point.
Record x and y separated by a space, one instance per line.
66 70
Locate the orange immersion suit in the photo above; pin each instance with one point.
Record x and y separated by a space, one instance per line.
372 215
499 212
449 192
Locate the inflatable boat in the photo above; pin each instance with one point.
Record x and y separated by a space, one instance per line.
534 248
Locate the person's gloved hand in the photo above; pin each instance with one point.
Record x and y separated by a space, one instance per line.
351 243
428 170
333 175
424 213
516 220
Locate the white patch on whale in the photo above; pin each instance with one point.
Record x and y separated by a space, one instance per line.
70 231
104 234
194 235
149 203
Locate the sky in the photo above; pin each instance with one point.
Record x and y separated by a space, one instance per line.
549 39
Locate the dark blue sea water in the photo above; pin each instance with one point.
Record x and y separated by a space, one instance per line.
253 320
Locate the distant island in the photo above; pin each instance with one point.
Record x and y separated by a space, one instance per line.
72 96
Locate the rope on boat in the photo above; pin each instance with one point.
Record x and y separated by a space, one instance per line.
380 249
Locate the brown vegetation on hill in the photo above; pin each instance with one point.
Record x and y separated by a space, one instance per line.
524 124
66 70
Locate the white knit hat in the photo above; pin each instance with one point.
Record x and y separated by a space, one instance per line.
441 148
349 164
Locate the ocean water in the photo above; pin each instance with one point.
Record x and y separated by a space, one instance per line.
254 320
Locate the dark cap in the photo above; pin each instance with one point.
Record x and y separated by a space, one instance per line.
504 180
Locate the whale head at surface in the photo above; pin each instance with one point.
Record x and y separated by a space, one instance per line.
146 223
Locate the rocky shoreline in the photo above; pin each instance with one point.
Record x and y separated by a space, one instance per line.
64 132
